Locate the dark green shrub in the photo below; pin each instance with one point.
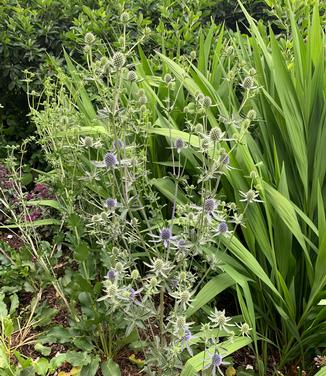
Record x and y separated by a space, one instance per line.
32 31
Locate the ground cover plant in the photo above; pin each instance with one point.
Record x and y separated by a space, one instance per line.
179 226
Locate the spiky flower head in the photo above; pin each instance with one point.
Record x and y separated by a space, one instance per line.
222 228
158 265
199 128
124 17
132 76
110 160
180 322
88 142
251 115
165 234
179 144
248 83
119 267
111 289
206 102
185 297
216 134
193 54
219 320
119 60
89 38
200 97
153 282
245 329
216 360
229 50
117 144
134 274
111 275
209 205
250 196
104 216
111 203
142 100
167 78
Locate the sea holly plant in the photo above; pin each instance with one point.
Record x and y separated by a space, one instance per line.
138 240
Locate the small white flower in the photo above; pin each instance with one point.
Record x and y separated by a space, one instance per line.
219 320
250 196
244 329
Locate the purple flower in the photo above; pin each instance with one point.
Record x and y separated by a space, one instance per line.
185 341
222 228
216 360
165 237
111 203
111 275
110 160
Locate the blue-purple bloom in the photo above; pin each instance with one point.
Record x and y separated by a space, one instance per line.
111 203
185 341
117 144
165 237
110 160
222 228
216 360
111 274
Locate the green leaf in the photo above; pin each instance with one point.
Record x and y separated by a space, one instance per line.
41 366
51 203
37 223
3 310
208 292
110 368
196 363
91 369
82 251
29 371
8 327
44 350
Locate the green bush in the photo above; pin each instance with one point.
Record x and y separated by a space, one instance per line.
32 33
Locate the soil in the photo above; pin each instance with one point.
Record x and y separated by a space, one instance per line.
12 239
126 366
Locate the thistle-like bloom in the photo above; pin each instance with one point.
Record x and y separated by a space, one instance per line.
165 237
117 144
160 267
186 341
111 291
88 142
216 361
210 209
222 229
244 329
219 320
118 60
111 161
250 196
111 275
248 83
210 205
183 298
179 144
111 203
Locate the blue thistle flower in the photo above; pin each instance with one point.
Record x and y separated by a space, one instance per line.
222 228
111 203
110 160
